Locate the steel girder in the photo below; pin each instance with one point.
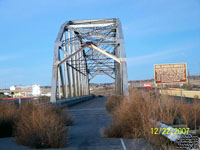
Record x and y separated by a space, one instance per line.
84 49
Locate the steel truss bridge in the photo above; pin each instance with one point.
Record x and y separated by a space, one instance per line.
84 49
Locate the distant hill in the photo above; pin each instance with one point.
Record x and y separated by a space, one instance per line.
197 77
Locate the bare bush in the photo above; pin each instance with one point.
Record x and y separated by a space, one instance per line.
113 102
132 118
8 115
40 126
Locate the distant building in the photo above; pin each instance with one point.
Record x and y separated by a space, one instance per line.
12 88
23 91
36 90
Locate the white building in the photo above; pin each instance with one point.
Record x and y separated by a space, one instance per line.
33 90
12 88
36 90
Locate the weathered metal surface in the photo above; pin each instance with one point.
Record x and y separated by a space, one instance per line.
93 47
170 73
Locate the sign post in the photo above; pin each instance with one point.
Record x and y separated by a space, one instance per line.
171 73
181 93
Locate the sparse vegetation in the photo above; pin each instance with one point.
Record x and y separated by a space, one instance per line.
42 100
103 91
41 126
37 126
8 116
132 118
113 102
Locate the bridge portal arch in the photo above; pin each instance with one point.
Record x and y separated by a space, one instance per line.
83 49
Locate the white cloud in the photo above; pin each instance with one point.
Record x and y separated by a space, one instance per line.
10 71
8 57
154 57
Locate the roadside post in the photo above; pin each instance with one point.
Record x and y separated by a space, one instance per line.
181 92
20 101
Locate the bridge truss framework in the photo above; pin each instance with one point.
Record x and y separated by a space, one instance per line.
84 49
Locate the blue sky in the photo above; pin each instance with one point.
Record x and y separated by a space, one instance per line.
155 31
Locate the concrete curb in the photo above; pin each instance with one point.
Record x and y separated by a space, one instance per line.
72 101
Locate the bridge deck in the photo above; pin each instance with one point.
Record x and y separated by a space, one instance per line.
90 117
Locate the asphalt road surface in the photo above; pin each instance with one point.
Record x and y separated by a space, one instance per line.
85 134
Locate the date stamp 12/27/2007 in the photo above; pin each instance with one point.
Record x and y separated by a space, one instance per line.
170 131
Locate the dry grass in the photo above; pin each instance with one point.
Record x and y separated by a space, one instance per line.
113 102
34 125
44 99
8 116
103 91
190 114
41 100
131 119
40 126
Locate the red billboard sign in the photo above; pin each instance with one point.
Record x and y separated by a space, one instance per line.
170 73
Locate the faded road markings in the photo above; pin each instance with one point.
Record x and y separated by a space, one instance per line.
123 145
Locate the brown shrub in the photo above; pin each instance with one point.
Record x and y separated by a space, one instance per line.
64 115
190 114
132 118
8 115
196 114
113 102
44 99
186 113
41 126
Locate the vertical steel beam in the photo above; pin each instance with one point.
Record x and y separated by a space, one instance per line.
69 68
85 88
61 76
121 69
55 66
80 75
83 77
74 65
54 80
77 73
82 86
88 88
88 84
59 92
65 66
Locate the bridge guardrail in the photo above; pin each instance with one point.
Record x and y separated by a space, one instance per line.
72 101
61 103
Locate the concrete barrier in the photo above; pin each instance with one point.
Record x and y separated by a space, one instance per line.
72 101
185 93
